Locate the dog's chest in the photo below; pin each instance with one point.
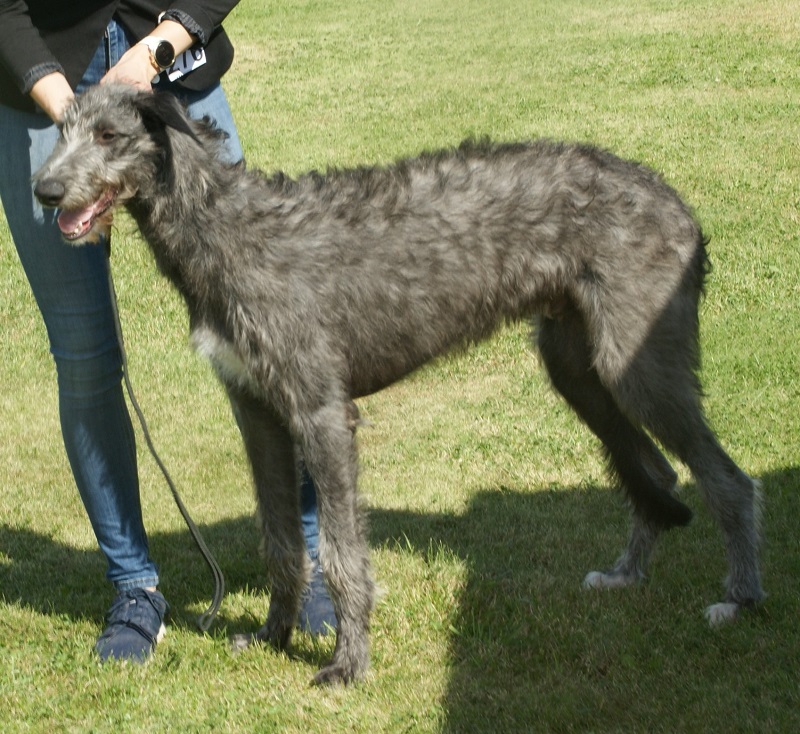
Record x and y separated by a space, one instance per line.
223 356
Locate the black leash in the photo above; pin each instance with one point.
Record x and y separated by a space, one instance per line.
206 618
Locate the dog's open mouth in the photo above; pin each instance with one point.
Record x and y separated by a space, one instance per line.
76 225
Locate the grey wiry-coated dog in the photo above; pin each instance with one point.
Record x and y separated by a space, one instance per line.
308 293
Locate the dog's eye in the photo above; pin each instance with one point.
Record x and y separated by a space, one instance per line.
105 136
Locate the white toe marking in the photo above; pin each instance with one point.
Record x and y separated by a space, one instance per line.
600 580
721 613
241 642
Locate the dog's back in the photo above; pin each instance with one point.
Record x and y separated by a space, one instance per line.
397 264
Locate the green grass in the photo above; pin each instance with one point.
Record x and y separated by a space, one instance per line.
487 499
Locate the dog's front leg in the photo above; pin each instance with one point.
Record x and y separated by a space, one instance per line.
272 458
329 449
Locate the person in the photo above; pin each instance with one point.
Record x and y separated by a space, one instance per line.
49 51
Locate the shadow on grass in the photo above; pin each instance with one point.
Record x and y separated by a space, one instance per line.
531 651
50 577
524 638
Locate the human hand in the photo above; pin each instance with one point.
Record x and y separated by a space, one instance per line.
53 94
134 68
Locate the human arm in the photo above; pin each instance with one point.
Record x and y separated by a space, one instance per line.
50 39
136 67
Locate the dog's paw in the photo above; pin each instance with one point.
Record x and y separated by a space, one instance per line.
350 662
608 580
335 675
722 613
278 637
241 642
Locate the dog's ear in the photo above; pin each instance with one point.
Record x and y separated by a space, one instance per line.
159 111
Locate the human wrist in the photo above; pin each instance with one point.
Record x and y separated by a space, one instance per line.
164 43
172 31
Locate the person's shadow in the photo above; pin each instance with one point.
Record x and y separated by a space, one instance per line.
52 578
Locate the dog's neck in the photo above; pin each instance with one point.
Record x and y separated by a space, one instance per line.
194 215
176 211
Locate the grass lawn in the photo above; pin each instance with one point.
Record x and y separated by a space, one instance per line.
487 499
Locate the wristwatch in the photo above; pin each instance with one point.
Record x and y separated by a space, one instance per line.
162 52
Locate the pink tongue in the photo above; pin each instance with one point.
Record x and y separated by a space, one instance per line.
72 223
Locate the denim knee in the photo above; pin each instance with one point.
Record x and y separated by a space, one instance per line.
85 378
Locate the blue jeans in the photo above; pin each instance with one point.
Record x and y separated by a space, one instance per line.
71 290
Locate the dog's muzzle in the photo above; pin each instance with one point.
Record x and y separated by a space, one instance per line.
77 224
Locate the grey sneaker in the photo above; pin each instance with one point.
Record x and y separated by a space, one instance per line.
134 625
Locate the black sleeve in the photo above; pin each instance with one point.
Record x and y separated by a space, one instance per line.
23 53
199 17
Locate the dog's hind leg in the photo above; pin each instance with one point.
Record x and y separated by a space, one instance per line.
732 496
642 470
660 390
272 458
328 444
734 500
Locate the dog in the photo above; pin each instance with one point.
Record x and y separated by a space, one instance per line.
307 293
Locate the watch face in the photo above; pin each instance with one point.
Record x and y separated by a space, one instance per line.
164 54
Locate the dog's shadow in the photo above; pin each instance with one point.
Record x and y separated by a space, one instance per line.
523 553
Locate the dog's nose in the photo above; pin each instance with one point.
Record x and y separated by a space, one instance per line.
49 192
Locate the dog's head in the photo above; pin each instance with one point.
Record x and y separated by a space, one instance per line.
114 144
